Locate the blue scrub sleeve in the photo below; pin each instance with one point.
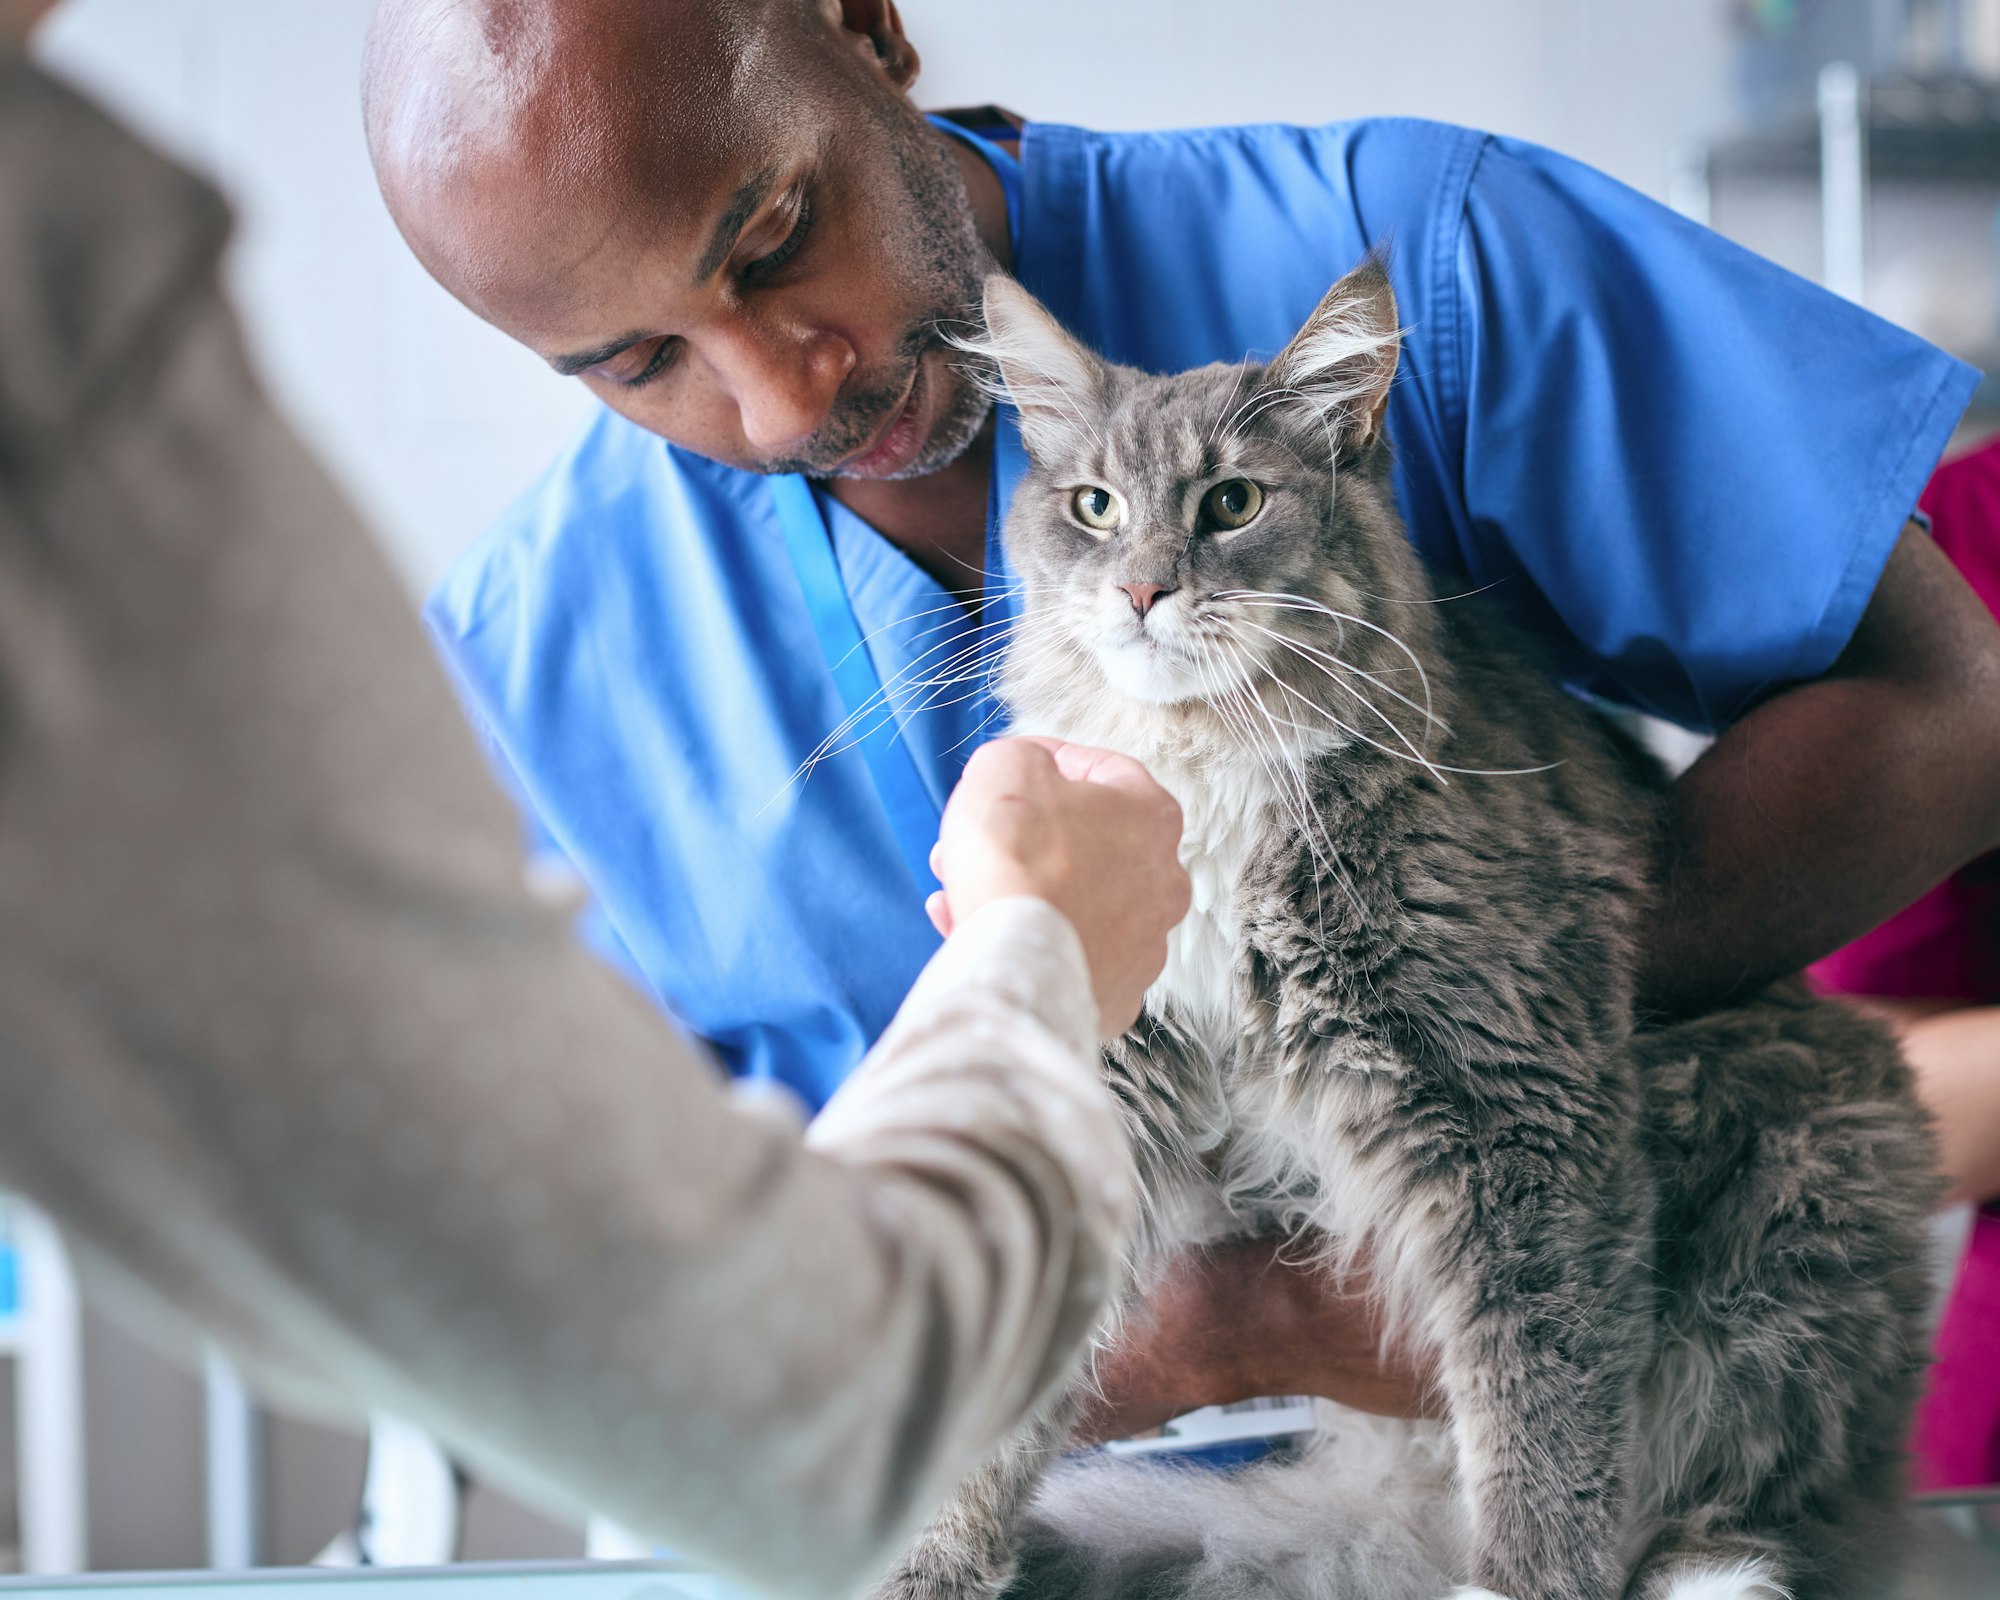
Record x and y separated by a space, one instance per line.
543 859
1691 462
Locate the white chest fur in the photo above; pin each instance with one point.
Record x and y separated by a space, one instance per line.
1278 1145
1226 796
1225 810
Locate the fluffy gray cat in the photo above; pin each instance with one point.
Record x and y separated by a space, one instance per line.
1672 1280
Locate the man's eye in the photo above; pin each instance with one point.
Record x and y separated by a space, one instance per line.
661 359
765 265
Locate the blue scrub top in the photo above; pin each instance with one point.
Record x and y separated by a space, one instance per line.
1682 464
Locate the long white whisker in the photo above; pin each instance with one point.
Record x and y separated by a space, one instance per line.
1437 769
1414 757
887 714
1325 660
1258 403
901 681
1311 828
1236 388
955 606
1433 599
1301 602
894 696
1388 721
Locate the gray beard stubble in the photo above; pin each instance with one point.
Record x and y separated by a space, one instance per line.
952 262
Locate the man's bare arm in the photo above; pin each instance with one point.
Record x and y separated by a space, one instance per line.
1251 1318
1837 802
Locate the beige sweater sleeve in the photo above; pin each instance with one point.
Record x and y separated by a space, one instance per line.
284 1042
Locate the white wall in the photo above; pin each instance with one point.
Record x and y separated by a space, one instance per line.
435 423
1615 82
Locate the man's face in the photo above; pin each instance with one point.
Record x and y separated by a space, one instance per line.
763 278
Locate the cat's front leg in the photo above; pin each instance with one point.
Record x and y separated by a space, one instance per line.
967 1551
1540 1365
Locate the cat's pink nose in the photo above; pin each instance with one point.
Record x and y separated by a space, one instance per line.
1145 595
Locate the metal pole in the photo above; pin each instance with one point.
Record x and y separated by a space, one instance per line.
234 1462
1843 181
49 1402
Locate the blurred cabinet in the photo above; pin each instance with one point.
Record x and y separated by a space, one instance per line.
1875 170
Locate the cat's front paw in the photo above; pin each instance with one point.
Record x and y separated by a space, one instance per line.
927 1574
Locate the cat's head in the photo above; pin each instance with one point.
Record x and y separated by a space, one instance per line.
1223 539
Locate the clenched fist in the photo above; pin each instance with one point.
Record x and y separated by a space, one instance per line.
1086 830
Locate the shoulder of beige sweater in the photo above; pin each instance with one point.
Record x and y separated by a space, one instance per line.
103 242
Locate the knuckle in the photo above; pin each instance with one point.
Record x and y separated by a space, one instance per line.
990 757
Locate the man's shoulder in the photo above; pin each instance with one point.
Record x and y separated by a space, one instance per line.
1413 133
614 494
1211 200
1408 153
1171 249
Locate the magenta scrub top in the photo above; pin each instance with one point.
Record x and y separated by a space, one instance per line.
1947 947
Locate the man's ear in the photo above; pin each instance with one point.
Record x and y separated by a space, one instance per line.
1053 381
874 28
1342 362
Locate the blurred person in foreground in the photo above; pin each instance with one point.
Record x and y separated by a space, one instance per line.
285 1044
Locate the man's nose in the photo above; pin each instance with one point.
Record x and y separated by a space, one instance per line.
1145 595
786 384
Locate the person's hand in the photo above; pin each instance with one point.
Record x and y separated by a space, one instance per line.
1246 1320
1086 830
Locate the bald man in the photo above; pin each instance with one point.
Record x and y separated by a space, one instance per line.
773 552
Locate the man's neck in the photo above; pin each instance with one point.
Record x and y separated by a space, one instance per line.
940 520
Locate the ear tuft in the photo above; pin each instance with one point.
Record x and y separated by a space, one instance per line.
1025 356
1343 361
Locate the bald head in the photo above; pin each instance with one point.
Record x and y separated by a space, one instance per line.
725 215
508 133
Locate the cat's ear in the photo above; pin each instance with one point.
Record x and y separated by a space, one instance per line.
1054 382
1342 362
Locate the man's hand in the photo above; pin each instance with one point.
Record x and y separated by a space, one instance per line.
1086 830
1837 802
1246 1320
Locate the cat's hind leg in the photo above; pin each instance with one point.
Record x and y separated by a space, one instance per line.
1713 1578
1796 1175
1691 1560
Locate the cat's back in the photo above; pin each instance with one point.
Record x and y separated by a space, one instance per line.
1514 719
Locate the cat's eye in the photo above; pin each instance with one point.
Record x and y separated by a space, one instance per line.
1231 504
1097 508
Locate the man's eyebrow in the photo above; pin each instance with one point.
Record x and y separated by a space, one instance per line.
728 229
730 225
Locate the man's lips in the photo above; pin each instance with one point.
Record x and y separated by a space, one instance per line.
898 442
